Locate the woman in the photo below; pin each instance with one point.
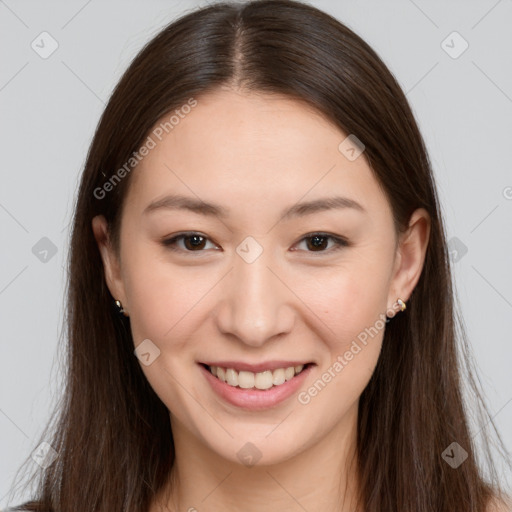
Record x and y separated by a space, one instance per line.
260 306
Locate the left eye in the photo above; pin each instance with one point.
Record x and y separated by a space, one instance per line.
195 242
318 242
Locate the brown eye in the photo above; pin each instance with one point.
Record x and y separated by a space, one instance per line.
318 242
195 242
192 242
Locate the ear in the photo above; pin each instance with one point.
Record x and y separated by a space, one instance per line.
410 257
111 262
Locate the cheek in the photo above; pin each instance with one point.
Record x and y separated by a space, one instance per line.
347 299
163 300
164 304
351 302
341 382
352 305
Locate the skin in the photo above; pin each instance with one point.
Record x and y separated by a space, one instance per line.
257 154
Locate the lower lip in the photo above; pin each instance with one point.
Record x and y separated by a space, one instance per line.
256 399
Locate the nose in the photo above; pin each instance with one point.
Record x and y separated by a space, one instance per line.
256 304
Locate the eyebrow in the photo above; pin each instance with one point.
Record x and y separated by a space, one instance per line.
179 202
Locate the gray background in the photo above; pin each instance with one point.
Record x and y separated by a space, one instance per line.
50 107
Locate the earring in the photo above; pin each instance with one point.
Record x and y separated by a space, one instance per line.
119 307
402 305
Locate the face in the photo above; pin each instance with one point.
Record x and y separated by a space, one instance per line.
271 277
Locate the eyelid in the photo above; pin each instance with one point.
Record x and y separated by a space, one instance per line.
170 242
325 234
339 241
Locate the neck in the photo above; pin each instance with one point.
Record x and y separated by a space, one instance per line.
322 477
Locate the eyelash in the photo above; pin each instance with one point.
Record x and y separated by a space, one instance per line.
339 242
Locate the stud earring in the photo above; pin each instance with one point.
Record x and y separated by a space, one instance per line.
402 305
120 308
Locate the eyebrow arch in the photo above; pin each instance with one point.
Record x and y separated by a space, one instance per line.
179 202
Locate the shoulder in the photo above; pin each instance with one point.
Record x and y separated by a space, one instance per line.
497 505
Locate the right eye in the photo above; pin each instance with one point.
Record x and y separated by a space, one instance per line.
193 242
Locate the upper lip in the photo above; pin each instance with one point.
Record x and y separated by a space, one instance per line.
255 368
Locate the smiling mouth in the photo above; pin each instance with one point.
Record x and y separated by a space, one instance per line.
262 380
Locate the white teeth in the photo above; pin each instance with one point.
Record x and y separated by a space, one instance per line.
231 377
289 373
278 377
261 380
245 380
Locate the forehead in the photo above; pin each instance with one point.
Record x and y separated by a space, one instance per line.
252 149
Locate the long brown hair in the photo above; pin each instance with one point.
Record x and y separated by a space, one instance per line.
110 430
